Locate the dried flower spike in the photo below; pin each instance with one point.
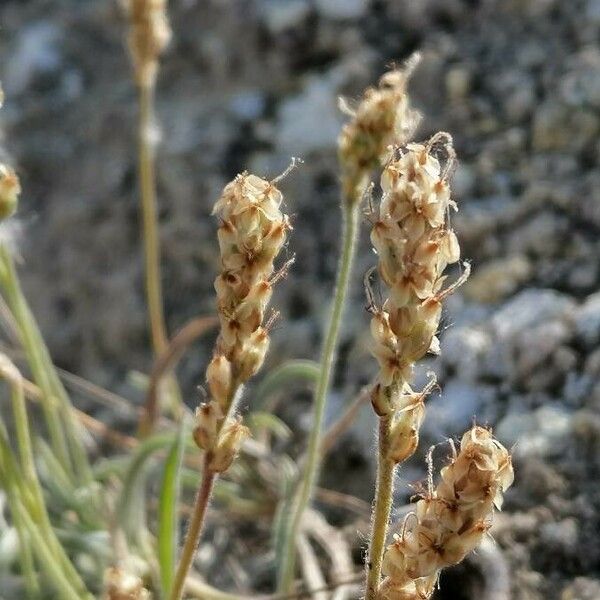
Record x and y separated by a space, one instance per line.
149 35
383 118
450 521
415 244
252 231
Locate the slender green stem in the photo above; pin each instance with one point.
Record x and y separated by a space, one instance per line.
382 510
194 530
31 501
351 217
57 407
48 561
32 586
49 405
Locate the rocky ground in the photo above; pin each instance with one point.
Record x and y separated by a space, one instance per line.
247 84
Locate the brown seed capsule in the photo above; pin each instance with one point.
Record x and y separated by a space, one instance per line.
229 444
208 417
219 379
450 521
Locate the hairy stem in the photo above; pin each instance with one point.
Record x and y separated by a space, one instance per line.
194 530
382 509
286 576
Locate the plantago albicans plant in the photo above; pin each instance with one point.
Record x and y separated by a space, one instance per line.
58 502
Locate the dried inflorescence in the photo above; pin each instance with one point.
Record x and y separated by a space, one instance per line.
450 521
252 232
121 585
414 242
383 118
149 35
10 187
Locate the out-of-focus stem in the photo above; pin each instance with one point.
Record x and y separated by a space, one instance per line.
150 233
147 142
20 312
350 212
381 512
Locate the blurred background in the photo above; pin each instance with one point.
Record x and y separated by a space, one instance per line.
247 85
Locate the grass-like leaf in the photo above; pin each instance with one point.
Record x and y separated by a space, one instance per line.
301 370
168 522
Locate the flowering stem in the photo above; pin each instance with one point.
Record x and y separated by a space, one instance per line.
203 497
350 212
151 239
381 512
194 530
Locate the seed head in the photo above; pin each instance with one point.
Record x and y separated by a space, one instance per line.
450 521
415 244
381 119
149 34
230 442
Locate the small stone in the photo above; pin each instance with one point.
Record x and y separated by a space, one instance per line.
283 15
587 321
530 308
341 9
454 410
561 536
458 83
582 588
310 121
463 349
543 433
248 105
497 279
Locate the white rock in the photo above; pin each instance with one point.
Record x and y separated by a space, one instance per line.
463 349
542 433
37 52
587 320
310 121
280 15
342 9
530 308
454 410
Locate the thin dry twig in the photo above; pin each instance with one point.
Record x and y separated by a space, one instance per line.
311 571
166 361
345 421
334 543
